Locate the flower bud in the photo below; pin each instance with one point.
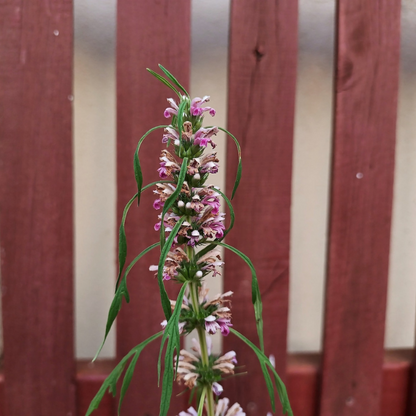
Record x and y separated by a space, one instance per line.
197 176
198 274
195 233
177 142
188 206
181 204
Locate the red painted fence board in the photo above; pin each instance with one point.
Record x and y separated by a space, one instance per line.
366 85
36 227
262 74
302 381
90 377
149 32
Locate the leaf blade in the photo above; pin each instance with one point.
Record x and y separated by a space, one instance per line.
118 296
122 241
136 162
255 290
110 382
173 79
164 80
172 334
232 214
240 167
264 361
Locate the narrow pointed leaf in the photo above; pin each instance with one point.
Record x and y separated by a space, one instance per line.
201 402
164 80
232 215
171 200
173 79
240 168
110 383
118 296
264 361
172 335
163 295
136 162
181 109
255 290
269 385
122 241
127 379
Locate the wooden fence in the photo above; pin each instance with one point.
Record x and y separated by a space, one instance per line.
354 375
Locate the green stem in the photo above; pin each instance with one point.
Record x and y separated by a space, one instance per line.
193 288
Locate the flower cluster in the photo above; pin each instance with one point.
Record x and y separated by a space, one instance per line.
221 409
192 372
197 205
191 227
212 315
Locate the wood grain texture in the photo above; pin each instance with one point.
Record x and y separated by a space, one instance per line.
36 226
366 85
149 32
262 75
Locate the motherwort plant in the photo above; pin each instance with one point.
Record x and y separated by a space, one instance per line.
192 230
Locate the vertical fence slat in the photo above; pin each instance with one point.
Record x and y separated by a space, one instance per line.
262 74
148 32
36 226
366 86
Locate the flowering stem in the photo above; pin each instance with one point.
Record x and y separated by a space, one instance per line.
202 342
205 362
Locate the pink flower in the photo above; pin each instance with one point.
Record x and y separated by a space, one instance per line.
170 133
173 109
224 325
213 323
158 204
214 202
217 388
222 408
203 136
213 227
193 238
197 109
180 325
190 412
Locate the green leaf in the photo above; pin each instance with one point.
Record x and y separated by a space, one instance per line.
181 109
165 250
127 379
269 384
264 361
122 242
255 290
110 382
118 296
239 169
232 215
165 81
136 162
171 200
173 79
172 334
201 402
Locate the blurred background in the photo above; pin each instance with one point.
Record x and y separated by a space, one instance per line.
95 169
